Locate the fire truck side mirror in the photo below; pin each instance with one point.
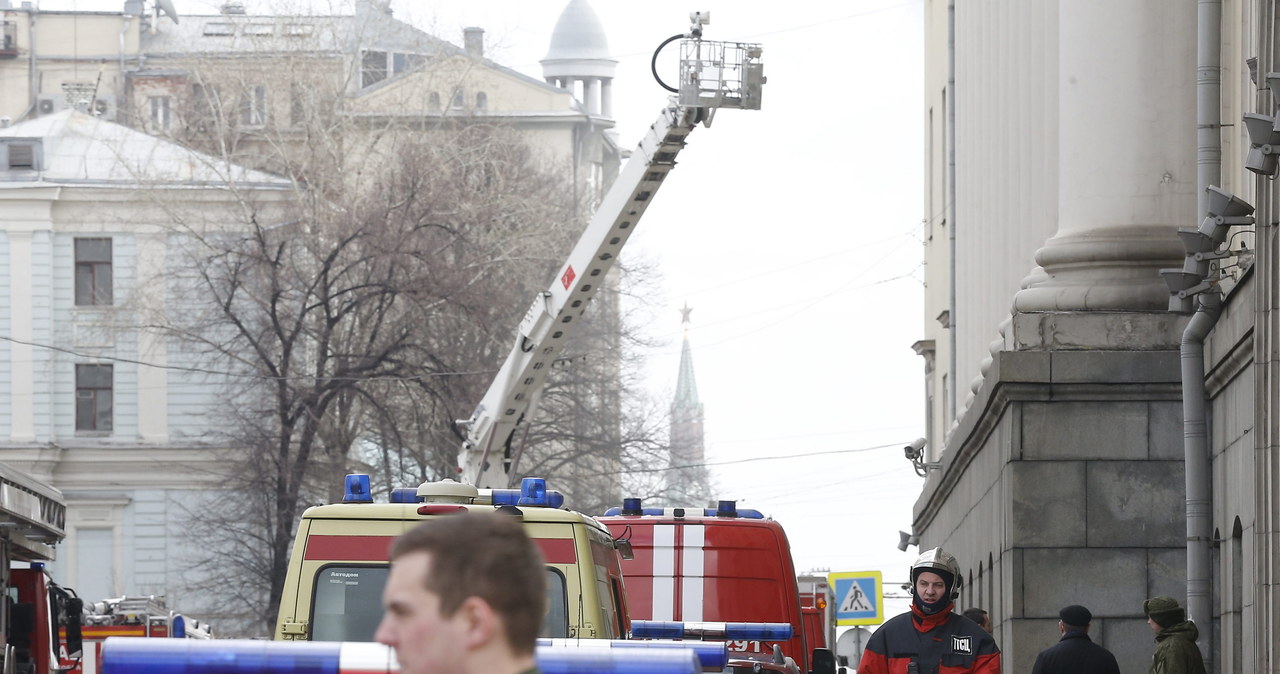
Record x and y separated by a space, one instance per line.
624 548
74 618
824 661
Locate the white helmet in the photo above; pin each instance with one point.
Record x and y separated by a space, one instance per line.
939 560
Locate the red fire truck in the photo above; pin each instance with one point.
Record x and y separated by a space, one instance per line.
142 616
701 565
817 605
41 621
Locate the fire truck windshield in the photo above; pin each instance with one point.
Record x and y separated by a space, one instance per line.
347 604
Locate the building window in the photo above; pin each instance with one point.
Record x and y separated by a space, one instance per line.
160 112
482 101
206 104
373 68
93 272
253 108
433 102
459 100
93 397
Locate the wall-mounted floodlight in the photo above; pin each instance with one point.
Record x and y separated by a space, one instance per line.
1264 135
905 539
1224 211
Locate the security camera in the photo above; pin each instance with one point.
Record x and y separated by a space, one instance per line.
914 450
700 18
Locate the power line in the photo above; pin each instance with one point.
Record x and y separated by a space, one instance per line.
226 373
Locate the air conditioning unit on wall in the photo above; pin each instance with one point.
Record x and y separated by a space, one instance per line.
104 107
47 104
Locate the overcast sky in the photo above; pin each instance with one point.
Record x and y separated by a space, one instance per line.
794 234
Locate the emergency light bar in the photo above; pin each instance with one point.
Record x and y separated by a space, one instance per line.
357 489
660 629
532 492
713 655
631 506
140 655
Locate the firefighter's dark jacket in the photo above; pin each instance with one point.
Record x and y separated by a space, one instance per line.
942 643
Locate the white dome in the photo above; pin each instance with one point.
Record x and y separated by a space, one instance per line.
578 35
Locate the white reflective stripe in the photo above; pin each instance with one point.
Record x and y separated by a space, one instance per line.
664 569
692 560
366 658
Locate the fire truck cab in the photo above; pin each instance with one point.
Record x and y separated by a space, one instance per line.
716 565
40 620
333 590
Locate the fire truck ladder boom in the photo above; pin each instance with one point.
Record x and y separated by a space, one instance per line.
713 75
33 516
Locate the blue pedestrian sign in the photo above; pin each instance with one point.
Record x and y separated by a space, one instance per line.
859 597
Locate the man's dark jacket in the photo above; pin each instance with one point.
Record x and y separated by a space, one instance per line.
1073 654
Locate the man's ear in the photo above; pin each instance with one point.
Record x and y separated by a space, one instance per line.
481 623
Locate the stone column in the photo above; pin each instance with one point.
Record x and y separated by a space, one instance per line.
591 95
21 316
606 97
1126 157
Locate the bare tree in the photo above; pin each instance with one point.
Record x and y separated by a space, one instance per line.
359 320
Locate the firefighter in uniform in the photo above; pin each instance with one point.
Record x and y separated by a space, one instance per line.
930 638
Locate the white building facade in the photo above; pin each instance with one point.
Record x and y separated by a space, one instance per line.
1066 145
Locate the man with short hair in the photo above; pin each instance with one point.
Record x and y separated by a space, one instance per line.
1075 651
931 637
979 616
1176 649
466 595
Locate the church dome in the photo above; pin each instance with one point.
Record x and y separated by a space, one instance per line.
578 45
578 34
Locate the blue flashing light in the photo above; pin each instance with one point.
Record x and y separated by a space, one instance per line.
747 513
357 489
37 565
659 629
533 492
179 626
712 655
404 495
761 631
140 655
620 661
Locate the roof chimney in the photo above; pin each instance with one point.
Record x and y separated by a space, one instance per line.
473 41
232 7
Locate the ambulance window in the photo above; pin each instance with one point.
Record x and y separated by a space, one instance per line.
556 624
348 603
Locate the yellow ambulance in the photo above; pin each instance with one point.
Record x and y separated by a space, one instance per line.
333 591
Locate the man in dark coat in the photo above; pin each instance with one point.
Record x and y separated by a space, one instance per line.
1075 652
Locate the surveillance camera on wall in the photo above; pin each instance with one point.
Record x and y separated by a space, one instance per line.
914 450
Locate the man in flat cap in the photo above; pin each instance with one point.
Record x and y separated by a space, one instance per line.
1075 652
1176 649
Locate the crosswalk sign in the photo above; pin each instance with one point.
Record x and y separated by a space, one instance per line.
859 597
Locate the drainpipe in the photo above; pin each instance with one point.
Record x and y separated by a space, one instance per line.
951 199
1197 460
31 58
1196 451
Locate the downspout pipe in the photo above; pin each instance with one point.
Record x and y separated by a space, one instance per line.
1197 461
1196 458
951 208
